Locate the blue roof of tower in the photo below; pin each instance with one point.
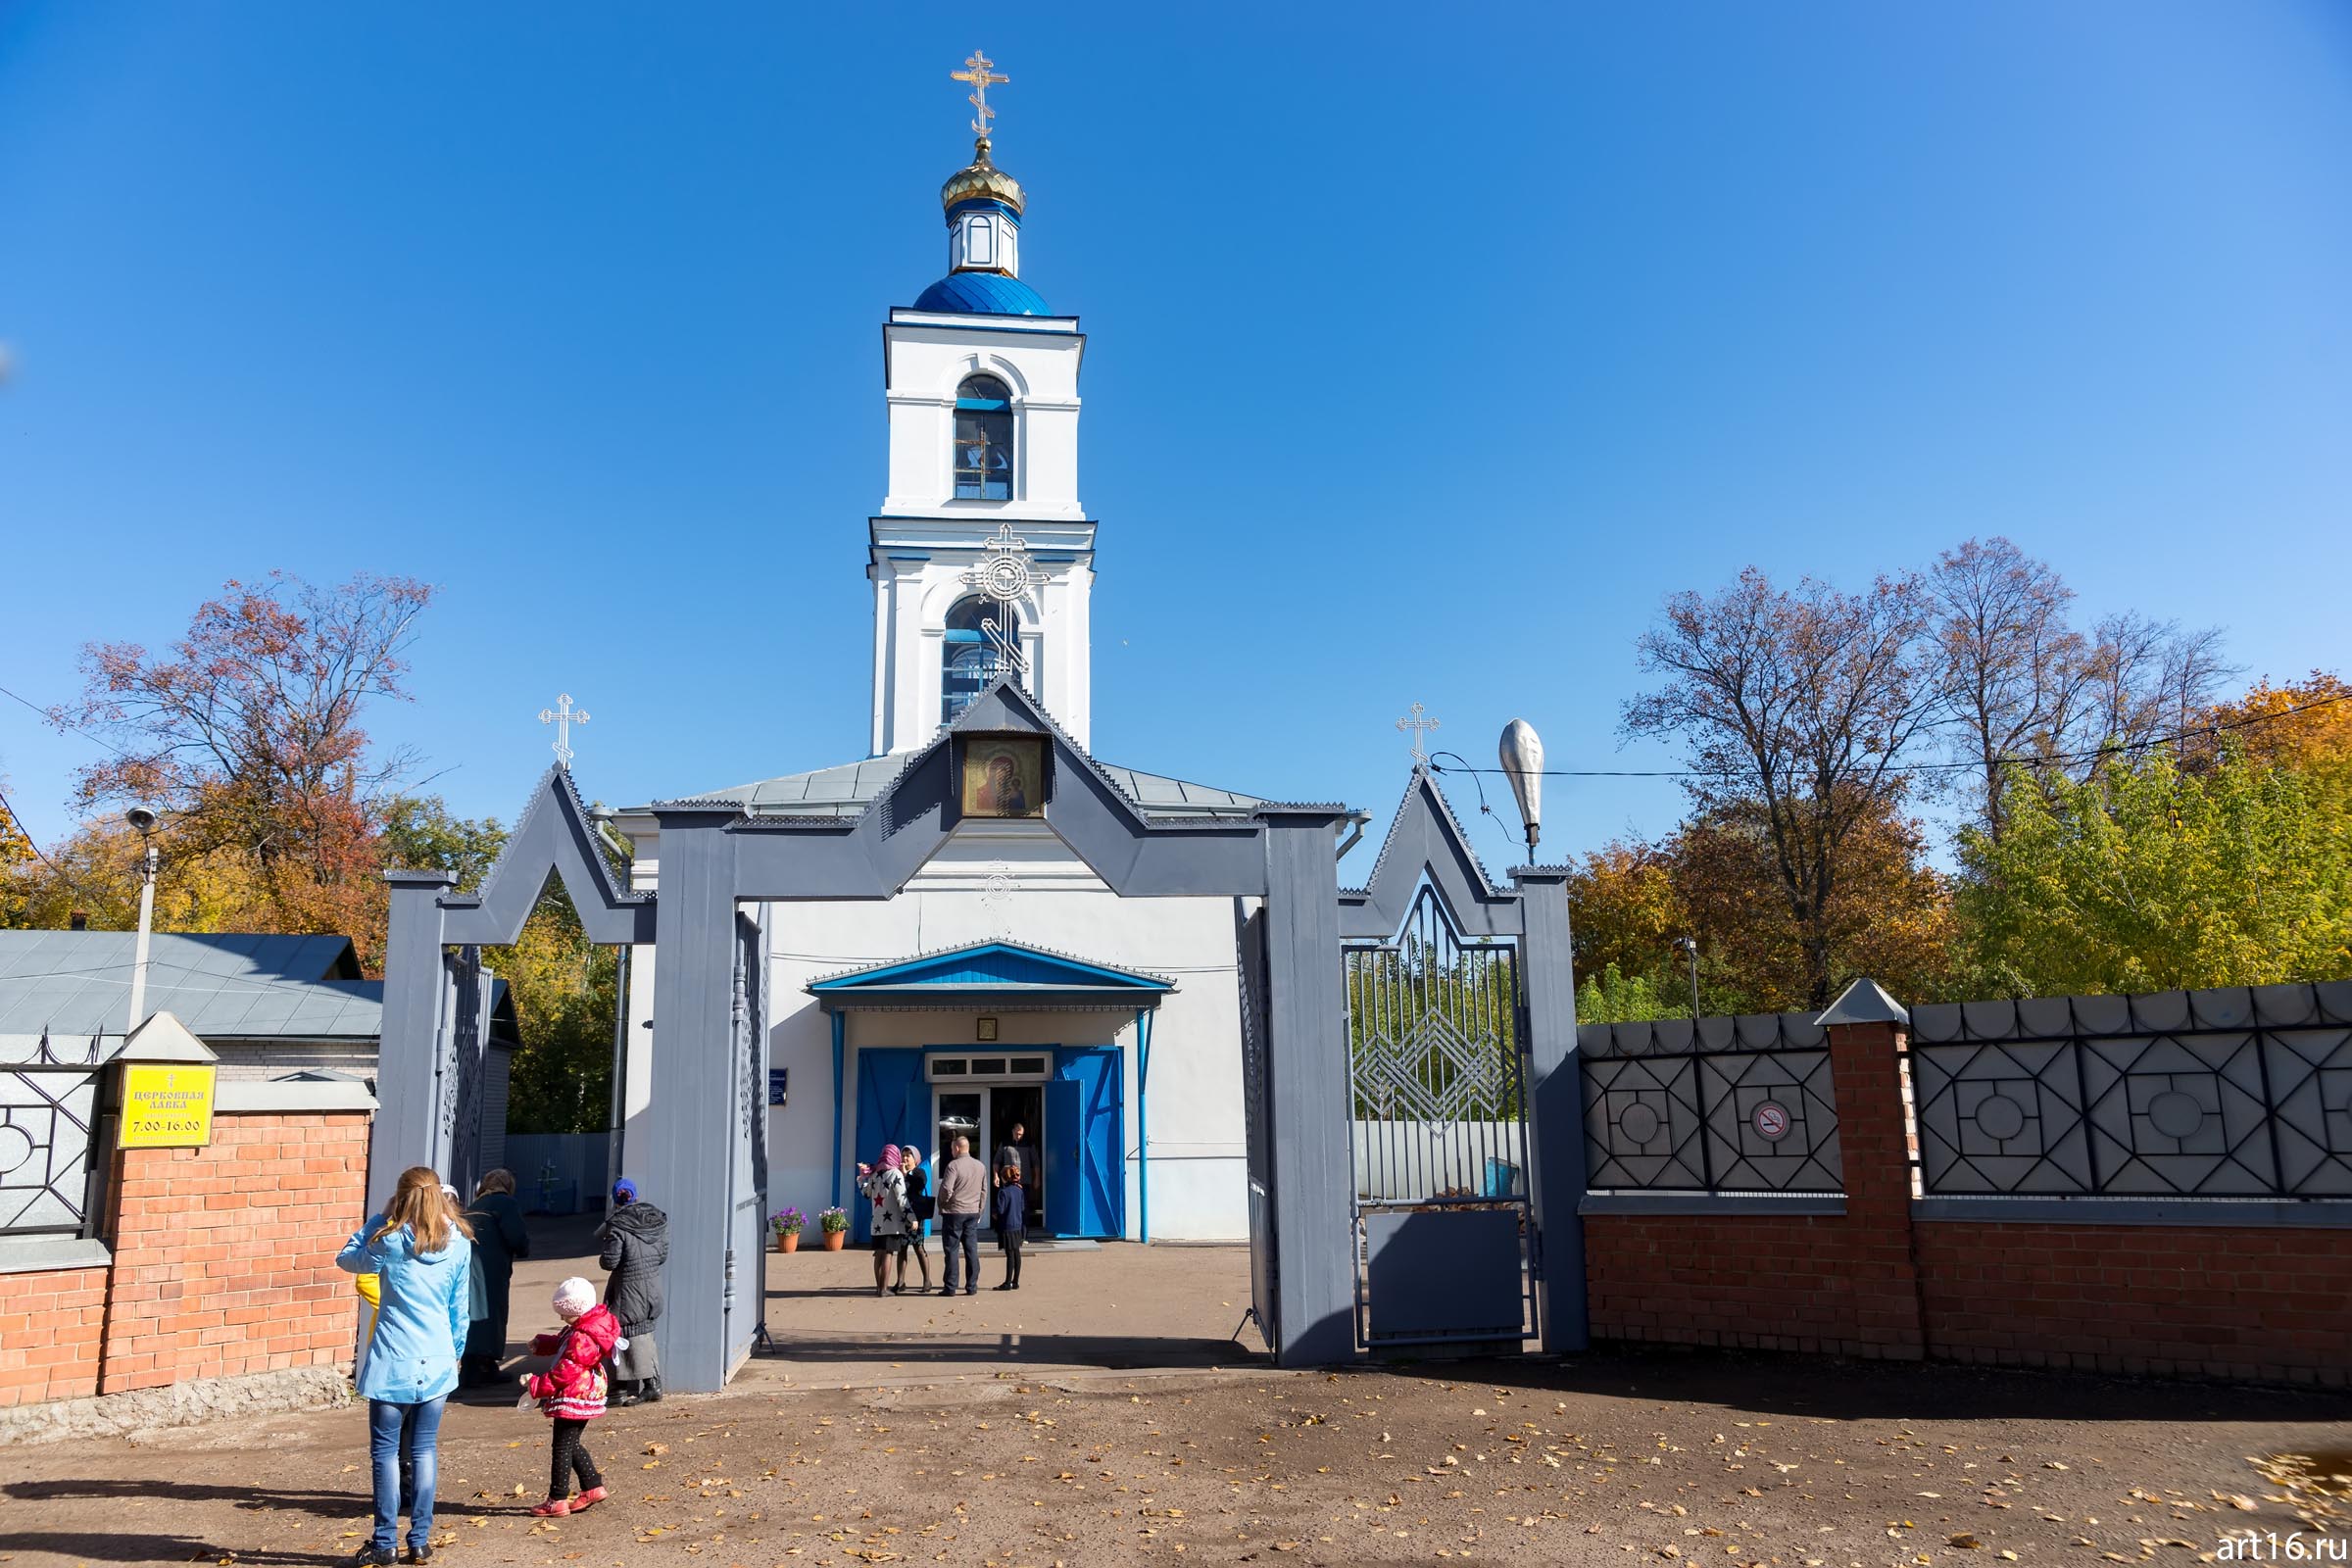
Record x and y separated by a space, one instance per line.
982 294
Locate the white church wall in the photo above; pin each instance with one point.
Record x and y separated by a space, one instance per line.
1199 1180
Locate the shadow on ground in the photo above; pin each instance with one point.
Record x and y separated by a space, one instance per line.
1819 1386
1110 1352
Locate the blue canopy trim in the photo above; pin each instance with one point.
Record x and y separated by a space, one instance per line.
1008 975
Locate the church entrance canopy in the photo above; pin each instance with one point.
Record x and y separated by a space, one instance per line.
1069 1099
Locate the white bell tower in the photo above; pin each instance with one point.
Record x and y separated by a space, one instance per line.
982 555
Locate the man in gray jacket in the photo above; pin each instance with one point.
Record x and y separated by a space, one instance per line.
963 1195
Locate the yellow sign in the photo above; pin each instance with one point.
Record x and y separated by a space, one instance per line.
166 1105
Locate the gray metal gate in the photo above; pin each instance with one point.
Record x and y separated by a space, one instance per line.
1249 936
1438 1093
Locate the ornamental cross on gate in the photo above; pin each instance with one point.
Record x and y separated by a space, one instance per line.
1417 726
980 71
563 715
1003 575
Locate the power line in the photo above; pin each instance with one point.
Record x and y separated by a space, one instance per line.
1934 767
75 728
17 819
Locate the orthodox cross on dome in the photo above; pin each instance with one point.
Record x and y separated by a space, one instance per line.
1417 726
1002 575
563 715
980 71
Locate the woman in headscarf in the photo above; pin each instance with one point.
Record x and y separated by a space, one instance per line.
498 1239
918 1210
886 1185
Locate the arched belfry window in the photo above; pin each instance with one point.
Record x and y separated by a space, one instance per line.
983 439
978 633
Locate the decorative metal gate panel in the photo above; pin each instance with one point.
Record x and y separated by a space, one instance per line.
1250 938
52 1157
1437 1090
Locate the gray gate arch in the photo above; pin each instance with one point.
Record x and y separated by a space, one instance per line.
710 1036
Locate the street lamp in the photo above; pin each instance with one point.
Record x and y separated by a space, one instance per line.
1688 946
1522 754
142 819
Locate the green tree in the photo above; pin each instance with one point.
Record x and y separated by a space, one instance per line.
2149 877
420 833
1615 996
567 994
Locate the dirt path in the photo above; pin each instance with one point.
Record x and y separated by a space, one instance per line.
1609 1459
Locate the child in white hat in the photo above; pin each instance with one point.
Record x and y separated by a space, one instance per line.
571 1393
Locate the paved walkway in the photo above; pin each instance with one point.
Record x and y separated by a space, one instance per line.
1117 1306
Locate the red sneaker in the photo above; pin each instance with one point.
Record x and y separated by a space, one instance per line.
587 1500
552 1508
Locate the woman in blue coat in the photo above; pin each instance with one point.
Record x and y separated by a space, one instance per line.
421 1252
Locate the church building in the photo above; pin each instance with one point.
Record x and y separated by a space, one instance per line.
1006 983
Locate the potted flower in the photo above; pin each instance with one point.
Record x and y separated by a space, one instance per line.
836 1225
788 1224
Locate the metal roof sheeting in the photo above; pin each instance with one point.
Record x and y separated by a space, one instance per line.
236 986
847 791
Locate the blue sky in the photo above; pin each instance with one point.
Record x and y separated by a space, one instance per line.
1430 347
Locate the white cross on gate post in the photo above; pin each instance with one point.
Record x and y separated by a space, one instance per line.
563 715
1417 726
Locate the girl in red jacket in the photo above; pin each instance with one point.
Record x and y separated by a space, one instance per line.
571 1392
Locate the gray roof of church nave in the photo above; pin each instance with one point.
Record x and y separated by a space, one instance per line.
848 789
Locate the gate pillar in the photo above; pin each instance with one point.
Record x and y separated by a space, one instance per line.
408 1078
683 1156
1555 1096
1306 1079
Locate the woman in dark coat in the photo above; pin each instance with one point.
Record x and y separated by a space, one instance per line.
498 1239
636 1244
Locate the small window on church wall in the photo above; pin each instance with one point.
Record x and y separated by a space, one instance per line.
983 440
978 633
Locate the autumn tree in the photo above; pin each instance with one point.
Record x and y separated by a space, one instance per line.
247 736
2149 877
1803 707
2021 685
2016 677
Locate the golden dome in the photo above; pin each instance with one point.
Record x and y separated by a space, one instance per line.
981 180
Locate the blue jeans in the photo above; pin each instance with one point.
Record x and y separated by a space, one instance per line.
401 1446
960 1232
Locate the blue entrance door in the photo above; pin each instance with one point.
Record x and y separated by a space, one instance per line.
1085 1179
893 1105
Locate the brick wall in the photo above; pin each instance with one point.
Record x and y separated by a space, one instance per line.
1836 1282
223 1264
2255 1301
1759 1281
2271 1303
49 1325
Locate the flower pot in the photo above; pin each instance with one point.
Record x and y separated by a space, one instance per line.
788 1241
834 1239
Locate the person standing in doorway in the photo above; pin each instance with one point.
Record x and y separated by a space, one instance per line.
1017 1153
636 1244
962 1192
421 1251
920 1208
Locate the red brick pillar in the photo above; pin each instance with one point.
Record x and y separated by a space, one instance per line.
1875 1140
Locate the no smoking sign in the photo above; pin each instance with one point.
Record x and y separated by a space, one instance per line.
1771 1121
